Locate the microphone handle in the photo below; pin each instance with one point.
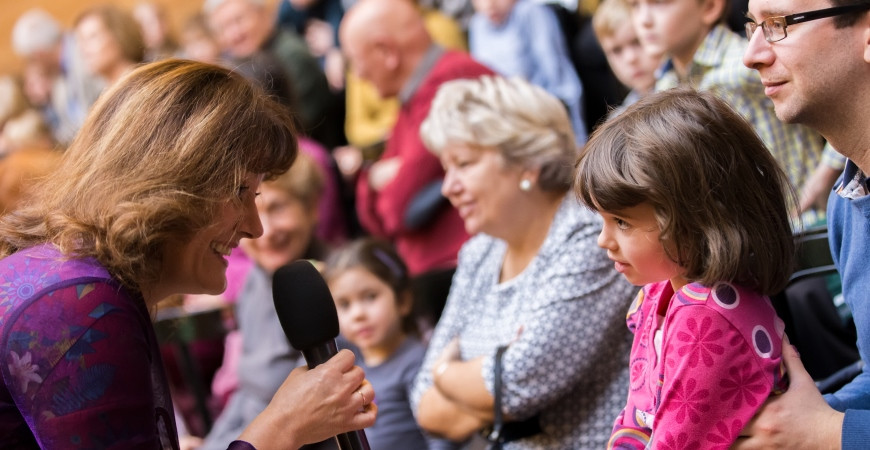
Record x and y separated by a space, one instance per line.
354 440
319 354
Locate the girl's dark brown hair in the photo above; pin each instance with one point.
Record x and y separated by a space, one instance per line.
380 258
721 200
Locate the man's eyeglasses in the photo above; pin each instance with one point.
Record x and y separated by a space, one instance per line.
774 28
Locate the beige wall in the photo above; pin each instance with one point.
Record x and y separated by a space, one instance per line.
66 11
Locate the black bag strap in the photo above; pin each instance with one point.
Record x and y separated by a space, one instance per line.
496 437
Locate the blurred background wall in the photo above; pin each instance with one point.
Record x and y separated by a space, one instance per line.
66 12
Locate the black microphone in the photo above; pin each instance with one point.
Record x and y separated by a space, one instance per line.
307 314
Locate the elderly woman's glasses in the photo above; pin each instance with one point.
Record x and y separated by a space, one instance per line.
775 27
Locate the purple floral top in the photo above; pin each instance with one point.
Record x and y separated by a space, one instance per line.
80 362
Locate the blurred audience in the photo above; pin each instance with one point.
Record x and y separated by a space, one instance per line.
197 41
110 41
317 21
524 38
397 196
156 33
50 53
244 27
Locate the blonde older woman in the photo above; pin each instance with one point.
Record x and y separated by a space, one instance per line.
532 294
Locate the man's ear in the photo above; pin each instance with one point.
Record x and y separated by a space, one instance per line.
712 11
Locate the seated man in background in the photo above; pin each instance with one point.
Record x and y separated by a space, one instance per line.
387 44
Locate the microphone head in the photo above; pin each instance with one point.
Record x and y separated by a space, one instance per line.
304 305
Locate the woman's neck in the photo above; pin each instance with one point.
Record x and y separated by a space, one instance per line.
528 235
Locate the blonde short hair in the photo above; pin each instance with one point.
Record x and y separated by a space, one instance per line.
610 16
526 124
35 31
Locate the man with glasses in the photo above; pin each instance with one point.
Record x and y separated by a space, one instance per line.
701 52
814 60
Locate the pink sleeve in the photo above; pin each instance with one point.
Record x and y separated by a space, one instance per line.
713 382
626 436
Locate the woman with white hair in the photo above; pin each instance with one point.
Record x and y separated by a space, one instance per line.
533 333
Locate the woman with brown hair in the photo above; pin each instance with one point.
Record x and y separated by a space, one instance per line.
110 41
143 206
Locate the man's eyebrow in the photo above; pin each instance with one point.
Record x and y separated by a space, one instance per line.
768 13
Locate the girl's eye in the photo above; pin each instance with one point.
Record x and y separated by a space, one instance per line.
621 224
369 295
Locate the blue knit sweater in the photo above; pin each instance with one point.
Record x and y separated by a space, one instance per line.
849 233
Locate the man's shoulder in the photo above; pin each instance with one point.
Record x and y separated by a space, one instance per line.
455 64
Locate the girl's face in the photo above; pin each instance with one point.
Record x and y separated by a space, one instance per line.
288 227
198 265
369 313
631 238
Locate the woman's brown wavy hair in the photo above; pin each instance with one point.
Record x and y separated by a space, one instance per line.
721 200
156 157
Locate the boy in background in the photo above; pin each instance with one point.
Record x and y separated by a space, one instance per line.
633 66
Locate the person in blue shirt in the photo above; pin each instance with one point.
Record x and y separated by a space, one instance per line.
814 60
523 38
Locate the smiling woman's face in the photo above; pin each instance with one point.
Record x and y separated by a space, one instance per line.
198 265
481 186
288 227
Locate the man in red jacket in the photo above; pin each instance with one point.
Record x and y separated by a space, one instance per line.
387 44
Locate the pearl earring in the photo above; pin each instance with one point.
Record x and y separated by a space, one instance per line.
525 185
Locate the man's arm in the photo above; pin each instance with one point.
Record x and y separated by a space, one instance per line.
798 419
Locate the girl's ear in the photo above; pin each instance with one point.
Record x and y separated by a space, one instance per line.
405 303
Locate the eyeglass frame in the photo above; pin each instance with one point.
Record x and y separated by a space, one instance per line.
751 25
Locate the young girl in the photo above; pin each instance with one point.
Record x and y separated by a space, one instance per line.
695 210
370 285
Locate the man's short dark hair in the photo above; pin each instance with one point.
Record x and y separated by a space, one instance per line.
847 20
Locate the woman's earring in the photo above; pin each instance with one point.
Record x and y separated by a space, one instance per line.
525 185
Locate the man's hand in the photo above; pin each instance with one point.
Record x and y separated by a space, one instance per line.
798 419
